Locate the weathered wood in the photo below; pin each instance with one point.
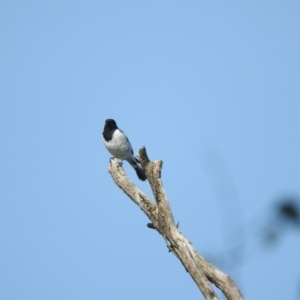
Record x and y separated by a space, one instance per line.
160 214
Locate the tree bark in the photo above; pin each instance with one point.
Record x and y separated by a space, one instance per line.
160 214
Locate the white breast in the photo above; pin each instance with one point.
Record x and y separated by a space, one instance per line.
119 146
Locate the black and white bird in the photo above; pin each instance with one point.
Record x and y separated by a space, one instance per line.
119 146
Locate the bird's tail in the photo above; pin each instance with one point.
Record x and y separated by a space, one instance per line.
139 171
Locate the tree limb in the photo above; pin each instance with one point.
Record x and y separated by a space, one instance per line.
160 214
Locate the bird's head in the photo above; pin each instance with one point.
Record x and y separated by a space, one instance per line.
110 124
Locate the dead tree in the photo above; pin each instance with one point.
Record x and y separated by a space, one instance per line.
160 214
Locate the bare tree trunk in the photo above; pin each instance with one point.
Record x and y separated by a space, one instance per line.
160 214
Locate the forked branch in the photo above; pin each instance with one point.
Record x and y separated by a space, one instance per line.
161 217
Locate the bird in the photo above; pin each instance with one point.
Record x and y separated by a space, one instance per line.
117 143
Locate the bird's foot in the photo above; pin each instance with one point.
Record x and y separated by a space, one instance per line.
120 161
112 158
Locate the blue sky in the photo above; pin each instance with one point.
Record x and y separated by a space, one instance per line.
210 87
